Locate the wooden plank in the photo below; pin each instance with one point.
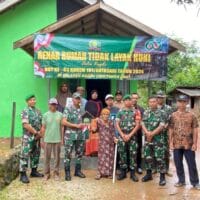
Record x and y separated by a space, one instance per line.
57 25
137 24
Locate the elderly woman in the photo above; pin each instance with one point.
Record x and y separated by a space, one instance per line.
62 96
94 105
107 139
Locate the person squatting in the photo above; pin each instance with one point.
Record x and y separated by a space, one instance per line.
122 123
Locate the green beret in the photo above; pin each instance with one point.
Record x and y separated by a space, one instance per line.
127 96
30 96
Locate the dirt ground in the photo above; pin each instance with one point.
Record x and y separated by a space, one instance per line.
91 189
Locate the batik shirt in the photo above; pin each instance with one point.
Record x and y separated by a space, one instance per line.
74 116
182 125
33 117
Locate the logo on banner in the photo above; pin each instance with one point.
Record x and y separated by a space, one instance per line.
94 45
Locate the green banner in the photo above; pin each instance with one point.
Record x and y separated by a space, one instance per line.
100 57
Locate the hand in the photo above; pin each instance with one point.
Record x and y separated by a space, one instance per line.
115 140
62 142
128 137
171 146
38 136
194 147
79 126
124 137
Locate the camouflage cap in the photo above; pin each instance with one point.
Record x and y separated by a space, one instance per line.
30 96
160 94
182 97
76 95
127 96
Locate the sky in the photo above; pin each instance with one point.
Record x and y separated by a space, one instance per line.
163 16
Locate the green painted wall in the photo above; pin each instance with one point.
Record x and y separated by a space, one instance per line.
17 79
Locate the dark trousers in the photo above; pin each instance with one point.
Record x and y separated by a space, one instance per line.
190 160
139 150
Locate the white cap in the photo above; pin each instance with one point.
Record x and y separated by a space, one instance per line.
109 96
53 101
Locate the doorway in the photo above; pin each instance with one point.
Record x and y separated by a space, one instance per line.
102 86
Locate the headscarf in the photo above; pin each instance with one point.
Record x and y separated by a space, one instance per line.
62 97
105 111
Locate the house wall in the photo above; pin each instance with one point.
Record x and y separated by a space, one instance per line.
17 79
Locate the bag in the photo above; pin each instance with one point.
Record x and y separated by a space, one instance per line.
92 143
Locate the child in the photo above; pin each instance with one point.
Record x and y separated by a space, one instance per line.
106 144
51 128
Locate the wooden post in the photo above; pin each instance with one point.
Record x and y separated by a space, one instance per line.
13 126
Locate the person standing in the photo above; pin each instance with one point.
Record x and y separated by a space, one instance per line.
81 91
52 130
107 138
153 124
118 100
74 136
161 97
94 105
109 100
127 123
183 129
31 122
135 98
62 96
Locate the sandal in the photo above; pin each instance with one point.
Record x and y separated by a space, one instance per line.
98 176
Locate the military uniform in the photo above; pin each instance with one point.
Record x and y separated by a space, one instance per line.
155 148
73 137
167 112
126 118
30 146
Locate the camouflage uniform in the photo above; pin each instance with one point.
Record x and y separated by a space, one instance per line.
154 150
73 137
30 146
167 111
127 118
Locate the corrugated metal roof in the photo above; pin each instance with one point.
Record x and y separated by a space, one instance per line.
190 92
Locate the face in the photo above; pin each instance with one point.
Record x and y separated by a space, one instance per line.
182 104
118 97
81 91
160 100
153 104
94 95
135 98
52 107
64 88
109 102
128 103
105 117
76 102
31 102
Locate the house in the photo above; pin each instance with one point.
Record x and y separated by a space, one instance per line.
194 97
21 19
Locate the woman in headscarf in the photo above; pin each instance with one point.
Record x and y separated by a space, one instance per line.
62 96
94 105
107 138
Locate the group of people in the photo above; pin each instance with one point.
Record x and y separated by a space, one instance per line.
123 123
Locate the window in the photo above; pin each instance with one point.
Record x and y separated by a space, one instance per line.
192 102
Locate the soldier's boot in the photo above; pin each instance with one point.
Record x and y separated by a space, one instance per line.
122 174
162 179
36 174
67 174
133 176
148 176
78 171
24 178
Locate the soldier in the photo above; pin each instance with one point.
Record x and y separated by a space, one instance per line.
135 98
74 136
167 111
152 125
127 123
183 129
31 122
